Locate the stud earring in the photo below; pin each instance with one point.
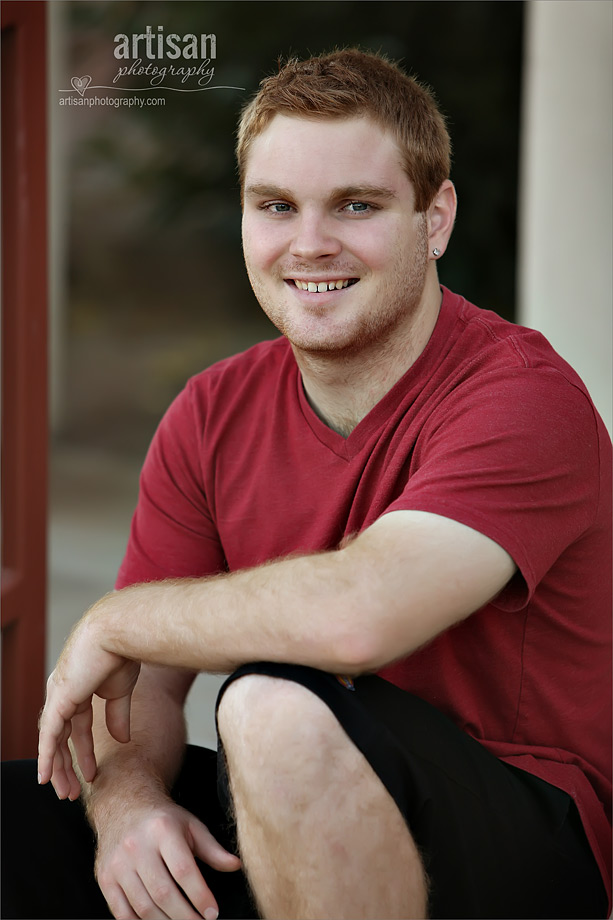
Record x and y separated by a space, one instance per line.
436 253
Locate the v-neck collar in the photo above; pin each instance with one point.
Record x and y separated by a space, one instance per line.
402 391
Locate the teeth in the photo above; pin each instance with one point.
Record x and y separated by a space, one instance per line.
321 286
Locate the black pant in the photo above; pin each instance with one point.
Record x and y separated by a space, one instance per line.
497 842
48 847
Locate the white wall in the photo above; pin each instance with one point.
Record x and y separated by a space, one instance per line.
566 206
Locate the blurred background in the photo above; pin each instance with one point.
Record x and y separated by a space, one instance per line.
154 285
147 284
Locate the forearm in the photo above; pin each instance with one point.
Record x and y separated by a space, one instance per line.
280 611
394 588
141 771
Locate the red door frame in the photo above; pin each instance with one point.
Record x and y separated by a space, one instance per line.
24 372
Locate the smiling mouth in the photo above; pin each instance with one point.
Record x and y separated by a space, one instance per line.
320 287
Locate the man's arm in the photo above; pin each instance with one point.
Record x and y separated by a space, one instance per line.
140 831
407 578
151 761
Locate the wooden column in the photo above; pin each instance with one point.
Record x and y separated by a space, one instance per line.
24 373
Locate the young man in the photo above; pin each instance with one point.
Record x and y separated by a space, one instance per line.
390 527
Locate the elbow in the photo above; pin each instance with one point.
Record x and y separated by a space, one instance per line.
356 651
355 636
351 629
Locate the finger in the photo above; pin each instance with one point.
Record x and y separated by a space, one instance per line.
209 850
52 731
58 778
55 727
63 774
74 786
83 743
140 900
165 893
119 905
117 714
183 868
66 762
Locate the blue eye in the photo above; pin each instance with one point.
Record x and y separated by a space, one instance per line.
357 207
278 207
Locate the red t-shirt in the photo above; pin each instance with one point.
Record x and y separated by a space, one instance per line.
489 427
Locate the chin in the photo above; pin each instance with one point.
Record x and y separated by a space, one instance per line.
340 343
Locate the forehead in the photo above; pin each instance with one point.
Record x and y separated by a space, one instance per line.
295 152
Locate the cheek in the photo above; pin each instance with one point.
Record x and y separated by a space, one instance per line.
261 249
376 249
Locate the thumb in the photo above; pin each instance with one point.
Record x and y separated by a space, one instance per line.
209 850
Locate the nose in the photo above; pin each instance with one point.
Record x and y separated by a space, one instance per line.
314 237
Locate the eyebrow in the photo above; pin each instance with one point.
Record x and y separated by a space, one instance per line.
381 192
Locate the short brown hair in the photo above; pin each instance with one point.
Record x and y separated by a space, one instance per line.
349 83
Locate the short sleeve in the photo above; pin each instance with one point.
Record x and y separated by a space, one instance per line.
173 533
513 454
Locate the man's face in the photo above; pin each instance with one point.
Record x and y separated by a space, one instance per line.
335 252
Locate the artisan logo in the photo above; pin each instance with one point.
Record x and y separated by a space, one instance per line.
186 60
156 45
150 46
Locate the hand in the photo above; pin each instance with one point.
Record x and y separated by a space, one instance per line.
83 668
146 867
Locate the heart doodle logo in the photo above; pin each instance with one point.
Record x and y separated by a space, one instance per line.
80 84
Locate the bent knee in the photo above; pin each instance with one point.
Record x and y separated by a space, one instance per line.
270 712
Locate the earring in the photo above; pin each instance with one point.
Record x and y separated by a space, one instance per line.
436 253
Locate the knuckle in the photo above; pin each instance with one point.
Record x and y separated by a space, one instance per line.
142 907
113 866
160 825
104 878
130 844
182 870
160 893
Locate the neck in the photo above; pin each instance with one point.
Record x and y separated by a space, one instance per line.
343 388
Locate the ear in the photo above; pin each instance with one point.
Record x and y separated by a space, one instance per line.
441 217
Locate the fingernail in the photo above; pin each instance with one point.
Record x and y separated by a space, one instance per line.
39 778
211 914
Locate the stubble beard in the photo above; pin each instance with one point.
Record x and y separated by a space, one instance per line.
375 331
